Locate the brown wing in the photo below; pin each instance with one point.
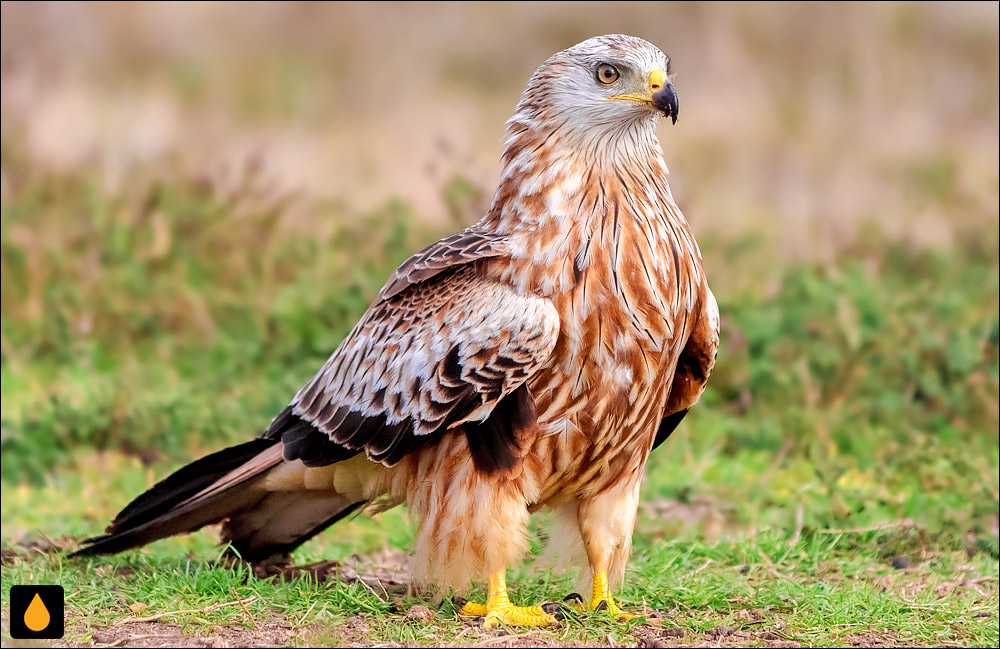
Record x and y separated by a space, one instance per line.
453 349
459 248
693 367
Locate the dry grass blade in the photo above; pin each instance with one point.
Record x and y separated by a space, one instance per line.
799 516
771 568
862 530
246 613
208 609
695 571
306 614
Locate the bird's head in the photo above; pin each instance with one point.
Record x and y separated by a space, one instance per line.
604 83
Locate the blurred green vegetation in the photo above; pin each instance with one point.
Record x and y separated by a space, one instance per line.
170 318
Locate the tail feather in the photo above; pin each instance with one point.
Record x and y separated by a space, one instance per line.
283 521
199 494
232 486
185 483
173 522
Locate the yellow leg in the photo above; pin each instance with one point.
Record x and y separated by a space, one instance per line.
606 522
498 609
602 599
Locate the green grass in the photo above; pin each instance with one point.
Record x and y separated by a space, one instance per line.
823 589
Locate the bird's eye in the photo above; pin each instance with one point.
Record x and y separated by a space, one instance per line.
607 74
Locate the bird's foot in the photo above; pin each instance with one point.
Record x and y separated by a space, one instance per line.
498 609
602 600
611 608
505 613
575 602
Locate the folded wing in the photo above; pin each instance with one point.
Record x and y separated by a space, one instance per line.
452 349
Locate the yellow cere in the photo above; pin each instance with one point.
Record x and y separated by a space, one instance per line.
657 79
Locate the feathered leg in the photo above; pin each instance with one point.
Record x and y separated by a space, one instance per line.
472 526
606 524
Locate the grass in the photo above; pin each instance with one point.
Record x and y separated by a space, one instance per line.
837 485
822 589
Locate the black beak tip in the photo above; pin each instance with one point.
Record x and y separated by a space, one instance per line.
665 101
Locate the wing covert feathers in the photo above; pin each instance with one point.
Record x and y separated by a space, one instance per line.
455 250
438 355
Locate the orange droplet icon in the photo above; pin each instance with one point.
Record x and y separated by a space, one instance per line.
37 616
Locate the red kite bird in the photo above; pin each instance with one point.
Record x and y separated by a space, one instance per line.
531 360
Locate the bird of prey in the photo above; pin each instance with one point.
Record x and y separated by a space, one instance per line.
532 360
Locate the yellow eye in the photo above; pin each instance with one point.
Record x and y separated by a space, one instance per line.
607 74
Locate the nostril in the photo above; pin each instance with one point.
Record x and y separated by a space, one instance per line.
655 86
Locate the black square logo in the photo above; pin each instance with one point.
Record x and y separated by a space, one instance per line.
36 612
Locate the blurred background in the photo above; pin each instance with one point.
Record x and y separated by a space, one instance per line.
199 200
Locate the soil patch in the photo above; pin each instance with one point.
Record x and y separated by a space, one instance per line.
160 634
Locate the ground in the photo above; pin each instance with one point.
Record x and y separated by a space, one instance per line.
841 587
192 220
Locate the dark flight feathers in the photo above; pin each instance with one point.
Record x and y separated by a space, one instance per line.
147 517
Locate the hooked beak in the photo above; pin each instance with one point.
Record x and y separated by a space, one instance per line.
662 96
665 101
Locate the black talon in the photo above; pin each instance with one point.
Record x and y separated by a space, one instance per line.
574 597
481 622
556 609
603 606
459 602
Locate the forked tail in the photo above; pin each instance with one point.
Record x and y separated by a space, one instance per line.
228 486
